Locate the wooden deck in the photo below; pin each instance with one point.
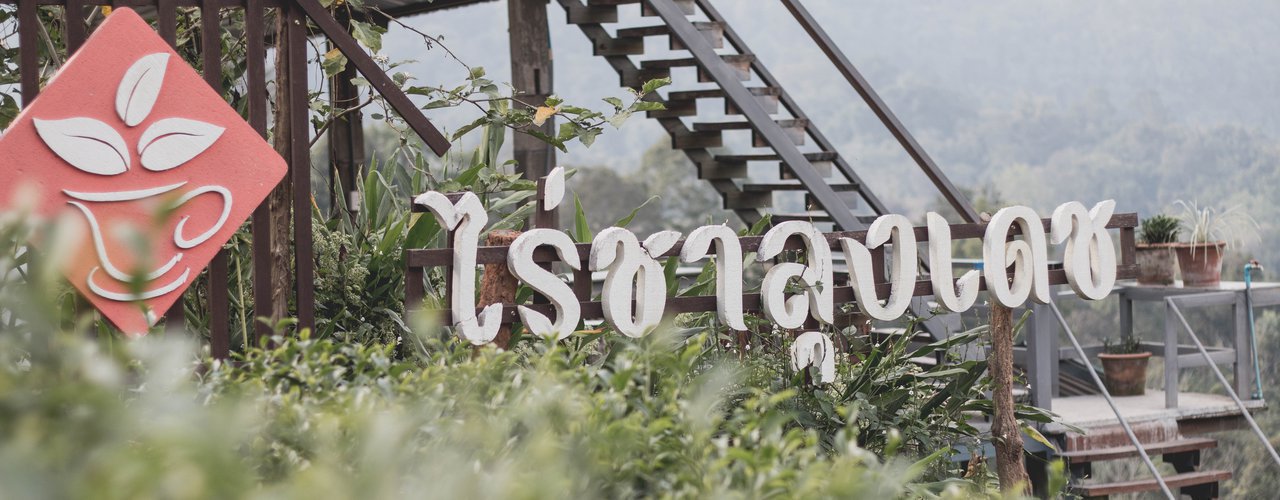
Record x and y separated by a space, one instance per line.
1089 412
1086 422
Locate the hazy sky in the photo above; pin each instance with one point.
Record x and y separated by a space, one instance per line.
1206 62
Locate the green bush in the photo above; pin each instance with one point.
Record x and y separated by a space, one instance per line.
659 416
672 414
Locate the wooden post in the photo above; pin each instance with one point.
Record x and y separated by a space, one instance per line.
279 201
531 76
346 139
498 286
1005 434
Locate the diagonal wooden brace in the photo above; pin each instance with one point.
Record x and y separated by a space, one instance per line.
377 78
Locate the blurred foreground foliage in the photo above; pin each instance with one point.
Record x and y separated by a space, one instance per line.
311 418
674 414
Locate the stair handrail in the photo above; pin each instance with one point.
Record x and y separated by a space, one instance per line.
1133 438
693 41
1172 304
860 85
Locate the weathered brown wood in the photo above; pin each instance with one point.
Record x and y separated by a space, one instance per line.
1135 486
1005 434
278 204
378 79
73 14
219 301
1152 449
346 139
531 76
167 20
264 272
498 286
175 319
300 162
28 51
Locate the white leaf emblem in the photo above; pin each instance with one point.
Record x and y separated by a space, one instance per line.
171 142
140 87
85 143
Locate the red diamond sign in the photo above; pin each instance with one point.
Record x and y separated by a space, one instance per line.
155 168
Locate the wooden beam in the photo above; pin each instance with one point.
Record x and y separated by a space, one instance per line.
531 76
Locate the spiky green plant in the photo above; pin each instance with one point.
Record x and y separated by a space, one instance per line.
1159 229
1210 224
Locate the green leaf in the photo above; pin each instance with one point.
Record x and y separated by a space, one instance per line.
627 220
656 84
615 102
1036 435
477 72
369 35
669 271
648 106
581 230
334 62
620 118
588 136
469 127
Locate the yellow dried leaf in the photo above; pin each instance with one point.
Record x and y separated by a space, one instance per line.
543 113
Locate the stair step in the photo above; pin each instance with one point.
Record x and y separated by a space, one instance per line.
675 109
717 93
697 140
795 129
687 6
767 97
619 47
744 125
713 32
851 197
1153 449
1174 481
792 186
821 156
744 200
739 62
592 13
714 170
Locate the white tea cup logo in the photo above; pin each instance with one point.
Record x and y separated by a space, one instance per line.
95 147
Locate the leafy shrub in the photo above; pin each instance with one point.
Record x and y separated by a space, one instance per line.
311 417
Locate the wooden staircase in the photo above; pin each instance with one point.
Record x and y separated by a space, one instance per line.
811 181
1183 454
788 169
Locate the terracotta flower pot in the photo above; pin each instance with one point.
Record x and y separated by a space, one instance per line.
1157 264
1125 374
1201 263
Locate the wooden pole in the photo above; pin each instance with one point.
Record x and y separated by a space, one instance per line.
1005 434
278 202
346 139
531 76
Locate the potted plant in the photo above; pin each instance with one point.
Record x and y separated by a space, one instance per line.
1157 258
1124 367
1210 232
